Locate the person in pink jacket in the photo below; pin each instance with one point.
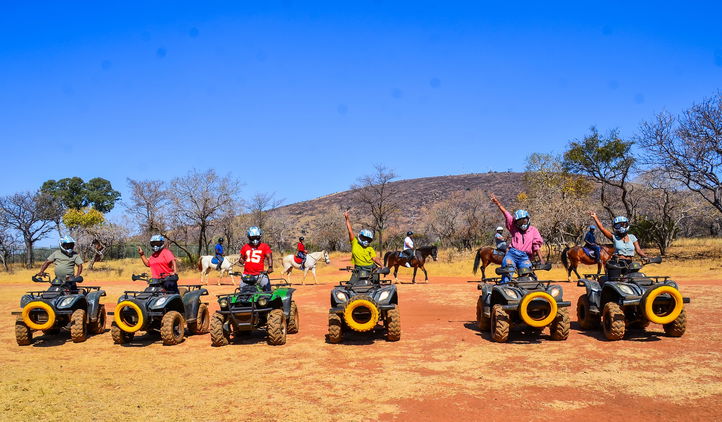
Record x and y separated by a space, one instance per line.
525 239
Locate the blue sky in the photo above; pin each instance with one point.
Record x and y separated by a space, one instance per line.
302 98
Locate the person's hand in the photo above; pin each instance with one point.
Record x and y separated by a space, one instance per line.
140 251
346 215
493 198
269 270
592 214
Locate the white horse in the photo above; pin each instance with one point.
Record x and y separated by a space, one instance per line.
205 265
311 260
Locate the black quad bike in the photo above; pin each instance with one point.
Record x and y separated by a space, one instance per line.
524 303
157 310
250 308
362 302
632 299
63 306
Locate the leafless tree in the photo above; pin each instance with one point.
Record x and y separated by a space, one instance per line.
8 244
377 194
689 147
148 207
327 231
461 221
28 213
259 206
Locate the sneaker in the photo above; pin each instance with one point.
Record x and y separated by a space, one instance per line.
408 265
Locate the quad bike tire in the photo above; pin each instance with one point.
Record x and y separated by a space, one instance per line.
120 336
38 305
219 337
482 322
499 324
584 317
203 321
613 323
294 320
393 325
559 328
172 328
98 327
78 326
359 302
677 327
23 333
335 329
276 328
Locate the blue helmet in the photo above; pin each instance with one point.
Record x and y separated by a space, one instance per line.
254 235
365 237
157 242
67 244
621 224
519 215
592 227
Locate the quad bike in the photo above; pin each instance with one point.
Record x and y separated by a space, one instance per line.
525 304
62 306
362 302
250 308
158 310
631 300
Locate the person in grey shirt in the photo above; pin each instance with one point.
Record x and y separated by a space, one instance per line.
66 261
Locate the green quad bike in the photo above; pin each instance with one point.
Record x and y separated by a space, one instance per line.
524 303
250 308
156 310
632 300
64 306
362 302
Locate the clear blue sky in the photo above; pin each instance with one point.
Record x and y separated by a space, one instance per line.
302 98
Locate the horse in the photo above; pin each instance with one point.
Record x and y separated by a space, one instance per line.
572 257
205 265
311 260
393 259
486 256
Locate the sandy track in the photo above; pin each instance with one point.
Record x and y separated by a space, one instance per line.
442 369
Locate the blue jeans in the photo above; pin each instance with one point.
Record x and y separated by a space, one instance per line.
597 251
514 258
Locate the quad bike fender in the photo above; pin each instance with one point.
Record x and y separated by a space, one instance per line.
173 303
25 300
191 302
506 295
620 293
93 299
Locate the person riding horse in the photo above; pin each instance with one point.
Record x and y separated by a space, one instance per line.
219 253
625 245
590 242
301 252
500 240
408 251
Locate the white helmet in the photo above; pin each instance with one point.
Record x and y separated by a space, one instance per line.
500 228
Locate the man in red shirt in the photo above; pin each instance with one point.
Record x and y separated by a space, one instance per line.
301 251
162 263
253 257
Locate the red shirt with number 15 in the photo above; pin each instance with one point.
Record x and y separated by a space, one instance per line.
254 257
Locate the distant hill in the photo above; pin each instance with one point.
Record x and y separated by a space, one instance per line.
414 194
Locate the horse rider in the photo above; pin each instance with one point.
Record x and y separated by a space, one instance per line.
253 257
219 253
590 242
301 251
363 255
526 241
408 251
66 261
162 263
625 245
500 239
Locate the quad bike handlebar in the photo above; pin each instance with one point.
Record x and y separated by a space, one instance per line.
629 264
45 278
375 270
164 277
41 278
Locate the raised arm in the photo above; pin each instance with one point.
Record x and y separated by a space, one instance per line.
498 204
142 257
599 224
348 226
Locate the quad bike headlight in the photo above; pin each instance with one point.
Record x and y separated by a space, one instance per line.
262 301
384 295
65 302
223 303
511 293
555 291
160 302
626 289
341 296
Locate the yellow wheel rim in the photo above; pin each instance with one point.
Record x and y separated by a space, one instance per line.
38 305
366 326
538 323
649 302
119 321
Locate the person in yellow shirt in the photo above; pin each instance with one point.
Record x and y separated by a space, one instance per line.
363 255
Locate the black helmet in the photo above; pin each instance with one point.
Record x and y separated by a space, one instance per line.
220 240
409 233
300 239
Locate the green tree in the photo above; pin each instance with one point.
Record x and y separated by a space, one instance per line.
74 193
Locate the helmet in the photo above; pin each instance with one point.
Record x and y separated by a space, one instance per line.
67 244
520 215
409 233
365 237
621 224
220 240
254 235
300 239
157 242
500 229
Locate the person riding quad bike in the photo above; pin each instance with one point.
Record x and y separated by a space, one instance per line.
363 255
253 257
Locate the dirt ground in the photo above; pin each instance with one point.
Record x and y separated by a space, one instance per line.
442 369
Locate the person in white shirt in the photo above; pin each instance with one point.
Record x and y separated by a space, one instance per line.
500 239
408 251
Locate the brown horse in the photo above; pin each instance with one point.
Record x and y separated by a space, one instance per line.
393 259
572 257
486 256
